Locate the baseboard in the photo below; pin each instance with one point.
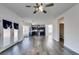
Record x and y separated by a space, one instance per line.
73 52
56 40
7 47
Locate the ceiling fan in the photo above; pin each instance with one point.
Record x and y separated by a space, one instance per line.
40 7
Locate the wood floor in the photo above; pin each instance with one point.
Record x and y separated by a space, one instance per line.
37 46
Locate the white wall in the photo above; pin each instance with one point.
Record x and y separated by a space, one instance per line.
7 14
71 29
55 30
71 19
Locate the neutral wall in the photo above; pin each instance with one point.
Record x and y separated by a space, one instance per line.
7 14
56 30
71 19
71 29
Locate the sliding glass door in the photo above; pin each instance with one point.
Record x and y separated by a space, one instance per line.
6 37
15 35
7 25
16 29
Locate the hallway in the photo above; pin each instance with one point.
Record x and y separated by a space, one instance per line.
37 46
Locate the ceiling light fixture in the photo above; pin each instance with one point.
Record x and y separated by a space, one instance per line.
41 8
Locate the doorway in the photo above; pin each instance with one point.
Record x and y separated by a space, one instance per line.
61 30
61 34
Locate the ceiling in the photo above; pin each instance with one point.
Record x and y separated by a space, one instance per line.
27 13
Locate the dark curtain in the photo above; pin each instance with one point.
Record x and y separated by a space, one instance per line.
16 26
7 24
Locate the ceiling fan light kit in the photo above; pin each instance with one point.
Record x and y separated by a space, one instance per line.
39 7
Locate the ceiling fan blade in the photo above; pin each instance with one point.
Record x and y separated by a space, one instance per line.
44 11
34 12
41 3
37 4
49 5
27 6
